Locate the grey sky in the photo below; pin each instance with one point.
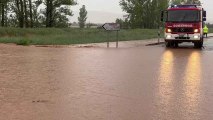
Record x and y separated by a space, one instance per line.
208 5
100 11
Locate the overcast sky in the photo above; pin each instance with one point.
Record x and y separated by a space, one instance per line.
101 11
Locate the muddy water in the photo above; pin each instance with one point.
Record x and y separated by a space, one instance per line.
142 83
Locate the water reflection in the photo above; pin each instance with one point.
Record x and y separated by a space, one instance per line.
192 79
179 84
166 81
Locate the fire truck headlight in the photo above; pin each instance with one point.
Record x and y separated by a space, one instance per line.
168 36
196 37
169 30
196 30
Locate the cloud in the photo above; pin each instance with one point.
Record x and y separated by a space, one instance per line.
98 16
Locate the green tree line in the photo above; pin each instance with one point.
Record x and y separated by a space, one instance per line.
30 14
146 13
55 13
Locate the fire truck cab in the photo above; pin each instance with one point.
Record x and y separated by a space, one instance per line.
184 23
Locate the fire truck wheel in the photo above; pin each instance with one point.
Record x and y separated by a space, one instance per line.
171 44
198 44
168 44
176 44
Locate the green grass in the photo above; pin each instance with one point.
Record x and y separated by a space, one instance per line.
66 36
210 30
24 42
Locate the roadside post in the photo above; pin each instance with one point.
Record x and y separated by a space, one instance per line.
112 27
159 34
117 39
107 39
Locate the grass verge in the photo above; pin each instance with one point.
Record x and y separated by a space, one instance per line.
210 30
67 36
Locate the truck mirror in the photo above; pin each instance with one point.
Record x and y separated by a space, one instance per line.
204 19
162 13
204 13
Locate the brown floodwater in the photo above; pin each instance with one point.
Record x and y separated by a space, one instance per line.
136 83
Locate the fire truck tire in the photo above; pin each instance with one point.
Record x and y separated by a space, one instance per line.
171 44
168 44
176 44
198 44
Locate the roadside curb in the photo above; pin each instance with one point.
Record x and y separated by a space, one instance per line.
152 44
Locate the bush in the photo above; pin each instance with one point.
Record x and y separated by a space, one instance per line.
24 42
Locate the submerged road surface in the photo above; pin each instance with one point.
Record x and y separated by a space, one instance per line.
141 83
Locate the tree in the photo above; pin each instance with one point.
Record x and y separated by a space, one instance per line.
123 23
61 19
27 13
38 19
144 13
176 1
82 17
53 8
3 11
186 2
31 13
18 9
193 2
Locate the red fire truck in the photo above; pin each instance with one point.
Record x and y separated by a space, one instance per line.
184 23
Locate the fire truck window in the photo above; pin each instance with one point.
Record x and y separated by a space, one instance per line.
183 16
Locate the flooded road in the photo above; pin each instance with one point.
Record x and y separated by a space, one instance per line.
137 83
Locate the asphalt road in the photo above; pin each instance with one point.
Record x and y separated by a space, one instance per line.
137 83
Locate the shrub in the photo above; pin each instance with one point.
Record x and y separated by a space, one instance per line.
24 42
